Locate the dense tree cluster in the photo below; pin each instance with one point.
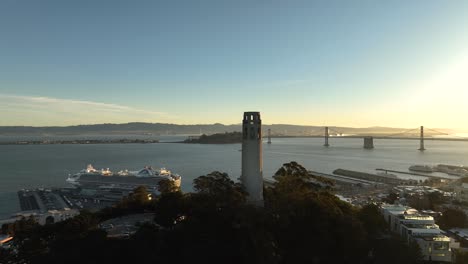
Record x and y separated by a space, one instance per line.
430 201
301 222
461 257
452 217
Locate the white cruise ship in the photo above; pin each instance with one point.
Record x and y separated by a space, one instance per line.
90 177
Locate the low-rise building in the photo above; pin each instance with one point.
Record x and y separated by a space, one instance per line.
414 226
460 235
418 190
51 216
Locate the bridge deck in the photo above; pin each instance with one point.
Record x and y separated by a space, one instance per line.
377 137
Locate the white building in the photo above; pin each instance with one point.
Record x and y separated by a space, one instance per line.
53 216
413 226
252 167
59 215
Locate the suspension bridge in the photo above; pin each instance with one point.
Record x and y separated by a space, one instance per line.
419 133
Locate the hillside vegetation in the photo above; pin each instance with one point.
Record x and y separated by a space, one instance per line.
301 222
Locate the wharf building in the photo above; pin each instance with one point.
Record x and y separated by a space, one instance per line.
252 163
44 205
414 226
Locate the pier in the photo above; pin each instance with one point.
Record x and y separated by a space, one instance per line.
415 174
341 179
373 177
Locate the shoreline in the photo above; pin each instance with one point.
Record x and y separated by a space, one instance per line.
81 142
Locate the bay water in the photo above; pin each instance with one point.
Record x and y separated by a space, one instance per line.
32 166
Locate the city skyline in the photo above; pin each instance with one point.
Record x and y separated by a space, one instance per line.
398 64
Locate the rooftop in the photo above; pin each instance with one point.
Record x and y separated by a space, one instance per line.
415 216
432 237
460 232
392 208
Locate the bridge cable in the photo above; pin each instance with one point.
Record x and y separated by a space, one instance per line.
438 132
446 134
318 131
401 133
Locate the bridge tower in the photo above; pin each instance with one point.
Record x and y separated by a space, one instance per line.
252 162
368 142
269 136
327 135
421 140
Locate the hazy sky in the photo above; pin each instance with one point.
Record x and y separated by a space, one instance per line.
349 63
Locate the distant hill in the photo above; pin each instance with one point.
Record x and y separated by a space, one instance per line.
208 129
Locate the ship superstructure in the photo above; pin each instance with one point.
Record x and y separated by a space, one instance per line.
90 177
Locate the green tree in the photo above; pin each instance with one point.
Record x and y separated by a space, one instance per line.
435 199
137 201
301 222
394 250
461 257
169 208
28 237
217 220
420 202
300 176
391 198
310 224
21 227
293 179
373 220
167 186
452 218
220 188
139 196
148 244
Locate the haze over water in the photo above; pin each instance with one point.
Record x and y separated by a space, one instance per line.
30 166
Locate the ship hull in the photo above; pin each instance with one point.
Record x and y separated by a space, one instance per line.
120 181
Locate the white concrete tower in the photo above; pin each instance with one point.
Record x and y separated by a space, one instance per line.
252 161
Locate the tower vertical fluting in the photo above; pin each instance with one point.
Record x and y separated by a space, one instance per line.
252 163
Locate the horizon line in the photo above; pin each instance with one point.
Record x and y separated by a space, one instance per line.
210 124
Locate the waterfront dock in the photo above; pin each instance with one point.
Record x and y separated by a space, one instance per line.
340 179
373 177
82 141
344 179
415 174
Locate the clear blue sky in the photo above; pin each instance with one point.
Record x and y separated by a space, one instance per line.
351 63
